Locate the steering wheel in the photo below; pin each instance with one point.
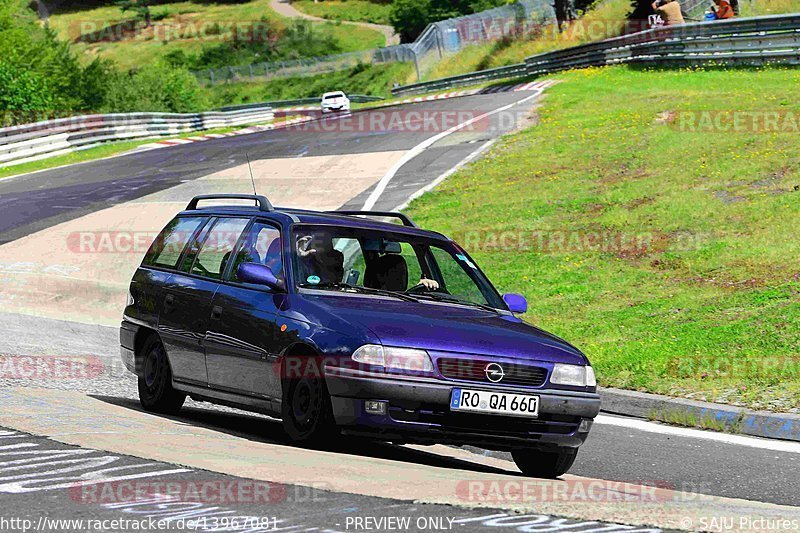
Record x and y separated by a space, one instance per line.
419 287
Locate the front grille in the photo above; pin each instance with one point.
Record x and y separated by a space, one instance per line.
466 423
475 370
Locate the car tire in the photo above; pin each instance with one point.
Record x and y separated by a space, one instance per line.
306 409
545 464
155 385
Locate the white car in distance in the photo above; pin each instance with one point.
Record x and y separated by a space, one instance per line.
335 101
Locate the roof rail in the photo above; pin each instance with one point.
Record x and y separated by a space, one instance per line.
263 203
389 214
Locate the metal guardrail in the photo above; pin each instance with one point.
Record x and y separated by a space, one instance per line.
517 70
745 41
29 142
276 104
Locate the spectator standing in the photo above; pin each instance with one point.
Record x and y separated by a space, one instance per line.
670 11
723 9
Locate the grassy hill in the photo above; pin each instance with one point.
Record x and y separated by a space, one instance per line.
375 80
769 7
668 255
355 10
189 27
605 18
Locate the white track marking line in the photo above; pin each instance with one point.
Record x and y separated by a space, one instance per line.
418 149
724 438
446 175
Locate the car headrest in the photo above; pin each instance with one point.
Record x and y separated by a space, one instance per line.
388 272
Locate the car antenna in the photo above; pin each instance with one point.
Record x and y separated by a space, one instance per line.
250 169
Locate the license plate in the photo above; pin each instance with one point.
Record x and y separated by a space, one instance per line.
498 403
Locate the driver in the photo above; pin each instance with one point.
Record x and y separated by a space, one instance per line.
319 258
429 284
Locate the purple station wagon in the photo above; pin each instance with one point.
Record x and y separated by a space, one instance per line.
339 323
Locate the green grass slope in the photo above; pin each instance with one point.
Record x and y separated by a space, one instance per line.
189 26
668 256
375 80
603 19
355 10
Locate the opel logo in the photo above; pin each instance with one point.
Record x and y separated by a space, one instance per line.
494 372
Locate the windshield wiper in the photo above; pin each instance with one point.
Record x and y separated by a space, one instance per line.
439 298
359 288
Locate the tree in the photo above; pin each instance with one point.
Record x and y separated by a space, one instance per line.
140 7
22 92
409 17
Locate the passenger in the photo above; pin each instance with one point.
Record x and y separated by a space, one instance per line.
670 11
722 9
319 259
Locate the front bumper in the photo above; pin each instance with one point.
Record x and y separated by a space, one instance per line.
418 410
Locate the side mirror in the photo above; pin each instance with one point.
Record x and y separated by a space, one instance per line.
516 302
259 275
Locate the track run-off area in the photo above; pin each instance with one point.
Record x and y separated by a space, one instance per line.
75 444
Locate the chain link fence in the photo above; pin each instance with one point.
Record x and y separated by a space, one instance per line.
438 40
524 17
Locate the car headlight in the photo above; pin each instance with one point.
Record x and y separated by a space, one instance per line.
573 375
408 359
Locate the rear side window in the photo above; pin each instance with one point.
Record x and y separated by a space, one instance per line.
168 246
218 246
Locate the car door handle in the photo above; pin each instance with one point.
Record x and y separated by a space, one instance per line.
169 300
216 312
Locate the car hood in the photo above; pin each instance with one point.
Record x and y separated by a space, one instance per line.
441 327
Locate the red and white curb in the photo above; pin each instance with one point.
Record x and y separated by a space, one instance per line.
530 86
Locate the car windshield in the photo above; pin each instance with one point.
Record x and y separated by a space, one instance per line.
393 264
333 96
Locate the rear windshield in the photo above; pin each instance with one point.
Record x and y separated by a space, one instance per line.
332 96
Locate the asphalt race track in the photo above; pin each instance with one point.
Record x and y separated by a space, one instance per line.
35 201
239 502
58 431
